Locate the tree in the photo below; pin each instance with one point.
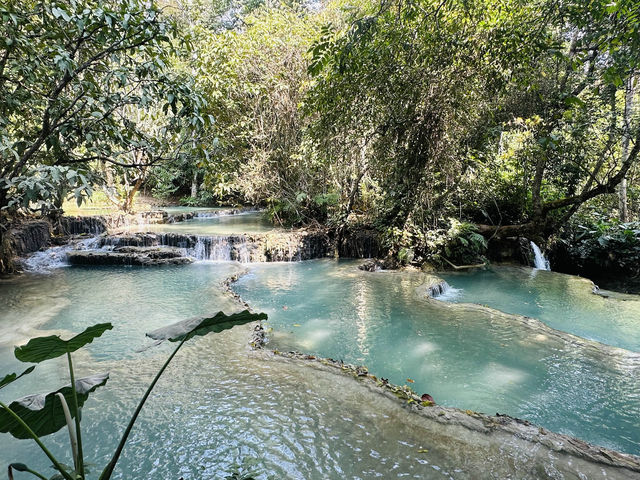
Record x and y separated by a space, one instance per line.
456 108
580 126
73 77
255 81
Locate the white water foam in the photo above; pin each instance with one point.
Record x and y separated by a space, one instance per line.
221 249
449 294
539 262
55 257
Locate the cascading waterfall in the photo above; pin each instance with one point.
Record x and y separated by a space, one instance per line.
442 291
539 260
56 257
221 248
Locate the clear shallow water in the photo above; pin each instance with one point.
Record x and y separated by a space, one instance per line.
217 406
563 302
222 225
179 210
465 356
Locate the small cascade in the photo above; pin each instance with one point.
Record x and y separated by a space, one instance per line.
438 289
220 248
442 291
47 260
539 260
56 257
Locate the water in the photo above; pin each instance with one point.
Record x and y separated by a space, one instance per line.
179 210
218 406
55 257
218 225
563 302
539 260
463 355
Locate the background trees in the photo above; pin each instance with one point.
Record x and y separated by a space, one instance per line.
511 115
75 79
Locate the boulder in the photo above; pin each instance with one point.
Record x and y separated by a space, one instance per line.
130 256
30 237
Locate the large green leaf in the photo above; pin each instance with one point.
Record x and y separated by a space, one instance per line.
45 348
43 413
12 377
189 328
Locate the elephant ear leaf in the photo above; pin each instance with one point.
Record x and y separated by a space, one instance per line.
45 348
44 413
12 377
192 327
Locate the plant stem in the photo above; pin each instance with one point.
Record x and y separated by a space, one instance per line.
108 471
70 426
79 466
39 475
35 437
32 472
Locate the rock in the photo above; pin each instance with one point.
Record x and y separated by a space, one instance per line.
370 266
93 225
97 224
152 252
141 257
30 237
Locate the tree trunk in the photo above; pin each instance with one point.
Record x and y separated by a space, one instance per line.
194 184
628 112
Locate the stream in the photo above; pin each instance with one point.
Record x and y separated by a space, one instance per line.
571 365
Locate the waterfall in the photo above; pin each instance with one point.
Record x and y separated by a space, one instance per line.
437 289
442 291
220 248
539 261
56 257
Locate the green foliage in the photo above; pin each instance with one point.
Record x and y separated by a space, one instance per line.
46 348
604 245
84 83
205 198
45 188
36 416
187 329
463 244
44 413
460 244
12 377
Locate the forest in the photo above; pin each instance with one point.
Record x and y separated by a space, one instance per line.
427 121
380 179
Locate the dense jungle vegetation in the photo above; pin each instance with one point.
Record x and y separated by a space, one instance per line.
440 124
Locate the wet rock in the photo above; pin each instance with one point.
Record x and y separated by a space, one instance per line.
93 225
130 256
98 224
130 240
436 288
370 266
376 264
30 237
152 252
